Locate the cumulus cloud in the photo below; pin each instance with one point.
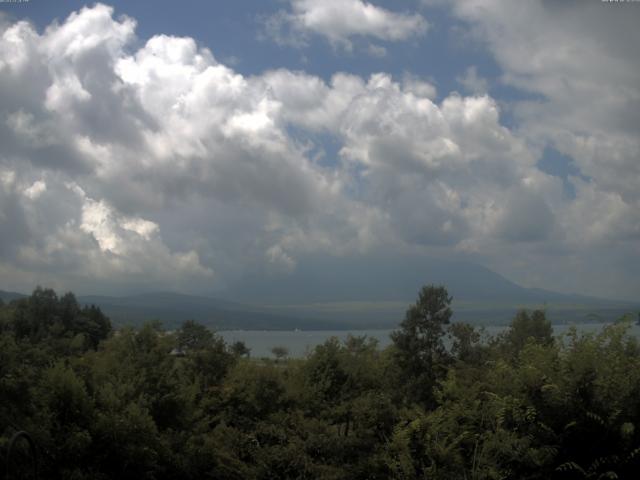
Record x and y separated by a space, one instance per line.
435 173
339 21
156 165
35 190
138 133
577 59
53 232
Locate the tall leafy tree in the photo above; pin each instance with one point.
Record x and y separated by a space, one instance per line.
420 351
527 327
194 336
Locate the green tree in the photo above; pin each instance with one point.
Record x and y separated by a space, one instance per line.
194 336
419 347
466 345
280 352
527 327
240 349
208 357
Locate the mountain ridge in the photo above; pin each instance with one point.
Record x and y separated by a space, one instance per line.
354 294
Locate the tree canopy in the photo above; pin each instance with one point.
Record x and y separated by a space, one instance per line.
419 346
442 402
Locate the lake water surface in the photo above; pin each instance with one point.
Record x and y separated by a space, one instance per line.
299 342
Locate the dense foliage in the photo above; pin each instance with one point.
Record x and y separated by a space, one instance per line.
442 402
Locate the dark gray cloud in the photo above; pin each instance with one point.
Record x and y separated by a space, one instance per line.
13 225
528 218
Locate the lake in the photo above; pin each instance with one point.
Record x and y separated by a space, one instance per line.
299 342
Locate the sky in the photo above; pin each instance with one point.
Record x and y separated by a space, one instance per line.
188 145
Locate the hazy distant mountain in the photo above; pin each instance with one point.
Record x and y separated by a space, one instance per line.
174 308
376 293
9 296
331 293
333 279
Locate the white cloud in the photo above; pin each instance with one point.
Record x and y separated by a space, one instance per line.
35 190
418 86
340 21
159 164
97 221
577 58
7 177
130 245
145 131
85 242
439 171
144 228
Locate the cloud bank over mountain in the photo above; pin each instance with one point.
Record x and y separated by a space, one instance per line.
152 164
